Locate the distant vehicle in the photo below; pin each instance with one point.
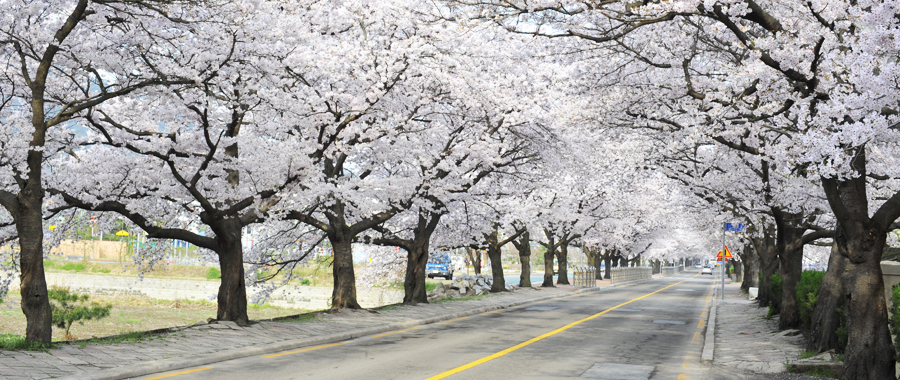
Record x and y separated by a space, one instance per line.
439 266
706 269
698 265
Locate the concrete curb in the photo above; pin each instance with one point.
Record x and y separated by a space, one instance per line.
158 366
709 338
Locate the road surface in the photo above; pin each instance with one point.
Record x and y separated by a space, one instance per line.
650 330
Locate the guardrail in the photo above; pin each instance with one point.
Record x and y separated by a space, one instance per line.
619 275
668 271
584 277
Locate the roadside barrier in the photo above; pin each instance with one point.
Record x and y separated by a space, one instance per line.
668 271
584 277
619 275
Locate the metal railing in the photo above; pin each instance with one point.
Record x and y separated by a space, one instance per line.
668 271
620 275
584 277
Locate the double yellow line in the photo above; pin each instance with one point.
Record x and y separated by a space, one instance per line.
541 337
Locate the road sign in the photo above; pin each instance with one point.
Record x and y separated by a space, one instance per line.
734 227
727 255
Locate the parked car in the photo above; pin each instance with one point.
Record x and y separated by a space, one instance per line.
706 269
439 266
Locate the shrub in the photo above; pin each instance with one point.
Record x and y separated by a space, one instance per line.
895 317
807 295
17 342
75 267
213 274
305 281
775 294
68 308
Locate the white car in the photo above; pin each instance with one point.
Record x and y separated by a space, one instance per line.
706 269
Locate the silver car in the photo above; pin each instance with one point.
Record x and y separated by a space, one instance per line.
706 270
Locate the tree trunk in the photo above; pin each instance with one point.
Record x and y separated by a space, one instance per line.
861 239
414 281
523 245
768 263
494 253
790 259
826 317
476 264
608 263
33 284
750 263
548 266
869 353
344 294
232 297
563 263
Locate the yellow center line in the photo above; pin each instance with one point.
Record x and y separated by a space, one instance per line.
304 350
684 377
177 373
546 335
696 337
452 320
687 361
703 315
701 323
395 332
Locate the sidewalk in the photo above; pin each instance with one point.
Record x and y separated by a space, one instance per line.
748 346
203 343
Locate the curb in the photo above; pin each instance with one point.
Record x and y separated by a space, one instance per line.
709 338
165 365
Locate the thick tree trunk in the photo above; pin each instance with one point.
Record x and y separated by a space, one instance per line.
414 280
344 294
499 284
607 258
563 263
232 297
523 245
476 263
826 317
790 260
33 285
768 263
750 264
548 268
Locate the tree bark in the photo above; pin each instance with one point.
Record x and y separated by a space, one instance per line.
33 285
343 296
790 259
768 263
861 240
549 254
232 296
563 262
750 264
826 317
523 245
475 258
414 291
494 252
607 258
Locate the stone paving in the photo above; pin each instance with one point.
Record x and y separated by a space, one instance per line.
747 345
204 342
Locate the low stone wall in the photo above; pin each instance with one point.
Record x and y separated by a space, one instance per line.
301 297
619 275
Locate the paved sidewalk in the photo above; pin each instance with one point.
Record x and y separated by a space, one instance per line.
748 346
209 343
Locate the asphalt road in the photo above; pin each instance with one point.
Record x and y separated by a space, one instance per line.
651 330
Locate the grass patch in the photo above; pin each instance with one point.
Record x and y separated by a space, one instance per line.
72 267
429 286
820 372
388 307
213 274
17 342
807 354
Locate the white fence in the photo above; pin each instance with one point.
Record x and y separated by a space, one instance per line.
668 271
584 277
620 275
